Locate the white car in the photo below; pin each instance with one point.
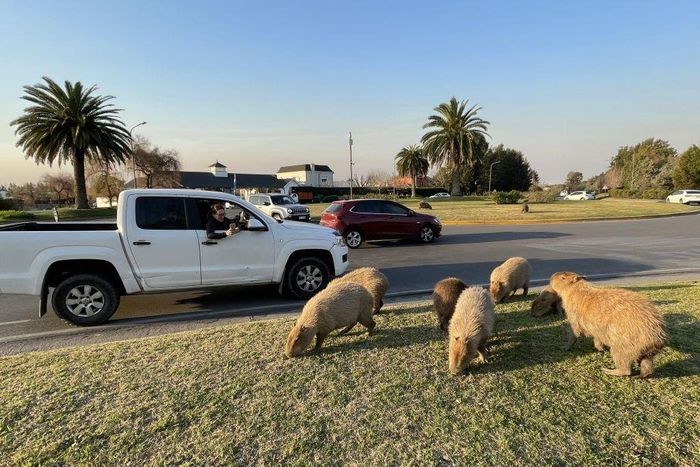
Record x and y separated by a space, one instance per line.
684 197
279 207
442 194
580 196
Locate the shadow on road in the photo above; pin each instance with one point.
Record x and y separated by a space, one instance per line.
481 237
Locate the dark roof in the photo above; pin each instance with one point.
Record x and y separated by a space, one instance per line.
300 167
218 164
208 180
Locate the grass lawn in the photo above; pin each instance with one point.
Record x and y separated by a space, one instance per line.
227 396
65 214
485 212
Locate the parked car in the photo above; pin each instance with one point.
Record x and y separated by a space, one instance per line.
363 220
279 206
442 194
160 244
580 196
684 197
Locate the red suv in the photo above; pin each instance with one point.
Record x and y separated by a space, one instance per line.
359 220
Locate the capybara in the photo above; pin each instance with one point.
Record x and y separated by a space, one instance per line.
370 278
546 302
470 328
340 305
624 321
424 205
510 276
445 296
525 209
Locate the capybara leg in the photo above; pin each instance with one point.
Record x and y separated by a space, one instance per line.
647 367
319 340
367 321
443 324
622 366
598 346
526 289
346 329
378 308
483 352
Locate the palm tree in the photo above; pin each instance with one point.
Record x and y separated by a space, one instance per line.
71 125
411 161
453 131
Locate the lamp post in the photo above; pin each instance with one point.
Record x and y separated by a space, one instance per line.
350 142
133 158
490 171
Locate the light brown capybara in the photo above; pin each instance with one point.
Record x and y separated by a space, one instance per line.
370 278
624 321
339 305
546 302
510 276
445 296
470 328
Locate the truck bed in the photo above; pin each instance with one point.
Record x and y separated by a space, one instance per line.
58 226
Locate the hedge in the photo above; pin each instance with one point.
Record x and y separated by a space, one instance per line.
510 197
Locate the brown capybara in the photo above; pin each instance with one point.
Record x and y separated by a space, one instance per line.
624 321
339 305
525 209
510 276
445 296
370 278
424 205
546 302
470 328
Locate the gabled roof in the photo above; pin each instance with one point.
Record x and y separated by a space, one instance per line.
304 167
209 180
218 165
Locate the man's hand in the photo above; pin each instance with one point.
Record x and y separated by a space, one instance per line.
233 230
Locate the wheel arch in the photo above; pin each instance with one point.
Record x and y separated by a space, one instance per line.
62 269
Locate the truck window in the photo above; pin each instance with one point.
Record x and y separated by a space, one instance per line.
160 213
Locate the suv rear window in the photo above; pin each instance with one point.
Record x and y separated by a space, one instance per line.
334 207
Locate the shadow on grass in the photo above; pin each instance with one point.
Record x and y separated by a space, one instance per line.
651 288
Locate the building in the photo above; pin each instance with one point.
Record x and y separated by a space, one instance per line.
307 174
219 179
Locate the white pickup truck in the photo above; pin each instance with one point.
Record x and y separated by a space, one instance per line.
159 244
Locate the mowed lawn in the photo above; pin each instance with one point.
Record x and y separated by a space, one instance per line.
485 212
227 396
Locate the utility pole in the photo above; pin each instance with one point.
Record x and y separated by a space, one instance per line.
490 170
351 180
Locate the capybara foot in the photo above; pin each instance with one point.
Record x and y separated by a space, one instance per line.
598 346
346 330
647 367
616 372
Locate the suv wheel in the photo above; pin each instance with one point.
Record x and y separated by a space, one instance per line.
353 238
307 277
427 234
85 299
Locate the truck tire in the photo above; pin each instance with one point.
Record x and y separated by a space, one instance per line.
306 277
85 300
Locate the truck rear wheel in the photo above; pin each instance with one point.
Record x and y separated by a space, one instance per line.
307 277
85 300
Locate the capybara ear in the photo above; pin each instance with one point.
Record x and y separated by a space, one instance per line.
578 278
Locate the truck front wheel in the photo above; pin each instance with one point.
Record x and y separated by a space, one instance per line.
307 277
85 299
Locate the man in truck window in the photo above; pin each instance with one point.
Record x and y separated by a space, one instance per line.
219 221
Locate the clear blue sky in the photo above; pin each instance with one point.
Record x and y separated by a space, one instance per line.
258 85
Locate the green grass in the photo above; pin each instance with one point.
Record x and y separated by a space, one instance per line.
227 396
485 212
65 214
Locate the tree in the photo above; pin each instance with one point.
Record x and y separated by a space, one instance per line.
451 137
71 125
378 178
410 161
687 172
26 192
648 164
513 171
103 183
574 181
58 185
159 166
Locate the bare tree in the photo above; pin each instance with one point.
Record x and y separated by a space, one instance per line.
103 182
378 178
58 185
158 166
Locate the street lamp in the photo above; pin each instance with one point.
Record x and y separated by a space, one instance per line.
133 158
490 171
350 142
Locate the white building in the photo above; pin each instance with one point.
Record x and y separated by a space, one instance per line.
307 174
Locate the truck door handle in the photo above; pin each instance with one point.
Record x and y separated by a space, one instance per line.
209 242
142 242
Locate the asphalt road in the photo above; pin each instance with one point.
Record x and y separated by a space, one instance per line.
650 248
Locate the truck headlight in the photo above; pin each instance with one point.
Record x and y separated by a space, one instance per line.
289 210
339 240
306 209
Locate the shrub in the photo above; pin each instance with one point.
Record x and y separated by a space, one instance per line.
510 197
655 193
540 196
623 193
330 198
650 193
8 204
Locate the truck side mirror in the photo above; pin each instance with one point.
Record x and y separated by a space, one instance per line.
255 225
266 203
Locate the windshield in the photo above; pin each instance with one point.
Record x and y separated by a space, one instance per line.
281 200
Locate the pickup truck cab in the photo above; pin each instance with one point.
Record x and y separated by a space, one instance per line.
279 206
159 244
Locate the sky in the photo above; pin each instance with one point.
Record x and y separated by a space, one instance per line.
259 85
